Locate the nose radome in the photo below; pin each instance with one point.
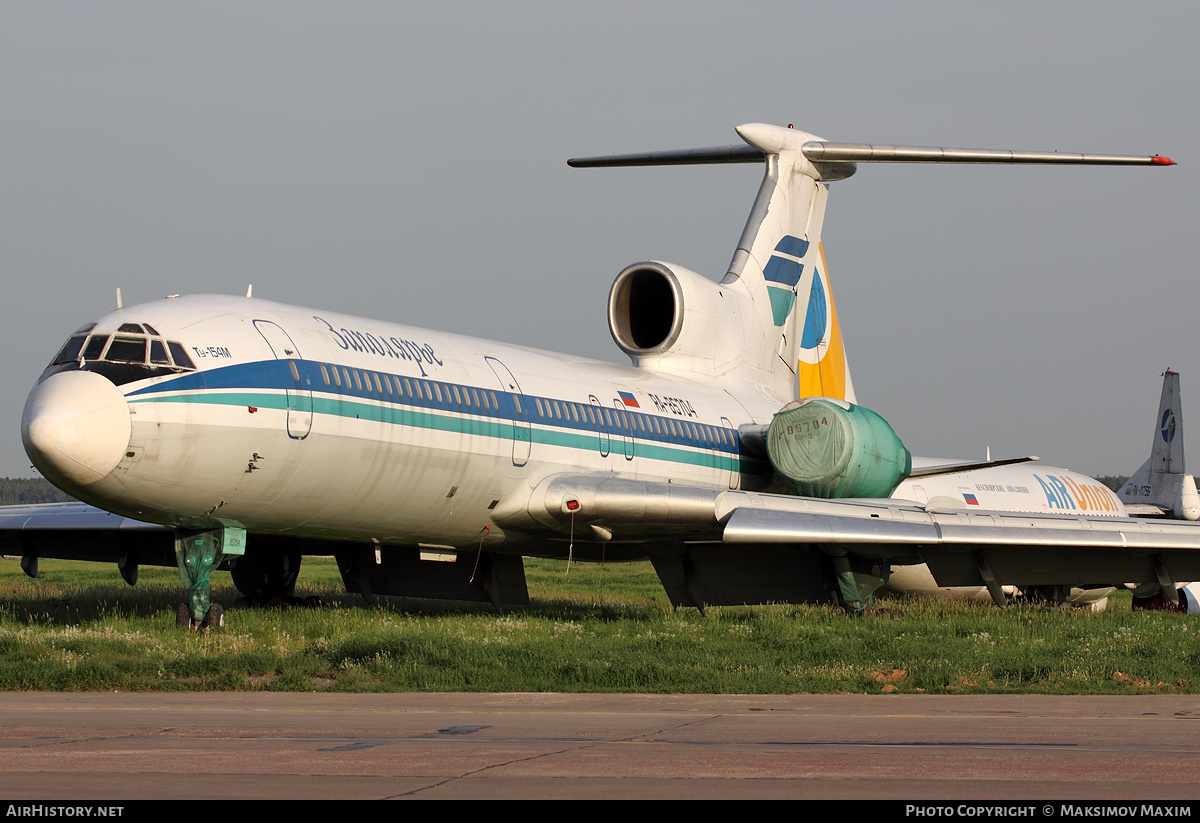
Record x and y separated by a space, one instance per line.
75 427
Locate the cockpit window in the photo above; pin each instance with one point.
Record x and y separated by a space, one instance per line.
158 353
95 347
180 356
127 350
70 351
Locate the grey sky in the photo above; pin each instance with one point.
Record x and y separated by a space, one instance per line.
407 162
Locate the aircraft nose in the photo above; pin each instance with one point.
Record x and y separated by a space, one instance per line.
75 427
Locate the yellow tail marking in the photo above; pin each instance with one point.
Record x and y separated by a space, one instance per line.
826 377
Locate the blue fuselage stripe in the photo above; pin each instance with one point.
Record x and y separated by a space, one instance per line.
430 404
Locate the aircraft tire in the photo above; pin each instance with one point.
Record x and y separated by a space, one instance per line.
266 574
214 619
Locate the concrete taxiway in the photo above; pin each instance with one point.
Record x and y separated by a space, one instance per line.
277 745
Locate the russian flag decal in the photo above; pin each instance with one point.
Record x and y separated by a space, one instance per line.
970 498
628 400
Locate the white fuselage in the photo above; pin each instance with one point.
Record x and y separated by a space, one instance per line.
321 425
388 433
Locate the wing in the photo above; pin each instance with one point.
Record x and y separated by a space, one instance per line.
77 531
725 547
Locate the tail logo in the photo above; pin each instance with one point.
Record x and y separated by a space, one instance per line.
821 361
782 273
1167 426
816 320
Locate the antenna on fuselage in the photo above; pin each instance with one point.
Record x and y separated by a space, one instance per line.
249 289
119 306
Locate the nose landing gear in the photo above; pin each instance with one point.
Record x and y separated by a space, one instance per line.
197 553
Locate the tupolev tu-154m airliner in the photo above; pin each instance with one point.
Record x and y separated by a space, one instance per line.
231 432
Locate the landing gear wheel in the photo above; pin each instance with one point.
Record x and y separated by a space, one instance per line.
1046 595
265 574
214 619
183 617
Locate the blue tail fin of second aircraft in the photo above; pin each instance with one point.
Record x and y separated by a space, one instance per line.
1161 482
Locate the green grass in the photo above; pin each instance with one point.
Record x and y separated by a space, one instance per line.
595 629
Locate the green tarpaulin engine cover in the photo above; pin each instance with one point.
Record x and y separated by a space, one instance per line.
830 449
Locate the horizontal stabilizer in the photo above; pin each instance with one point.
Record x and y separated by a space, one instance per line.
823 151
679 157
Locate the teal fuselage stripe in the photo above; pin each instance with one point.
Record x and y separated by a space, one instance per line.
406 417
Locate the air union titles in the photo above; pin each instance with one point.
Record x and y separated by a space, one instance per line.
1067 494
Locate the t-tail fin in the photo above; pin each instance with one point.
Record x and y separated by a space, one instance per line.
775 298
780 263
1161 483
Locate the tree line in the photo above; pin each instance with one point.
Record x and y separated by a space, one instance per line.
18 491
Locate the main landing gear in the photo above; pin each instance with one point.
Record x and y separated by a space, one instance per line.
267 575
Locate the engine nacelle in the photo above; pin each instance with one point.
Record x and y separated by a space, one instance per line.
830 449
1189 598
666 316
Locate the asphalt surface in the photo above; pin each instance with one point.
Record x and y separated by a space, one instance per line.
458 746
